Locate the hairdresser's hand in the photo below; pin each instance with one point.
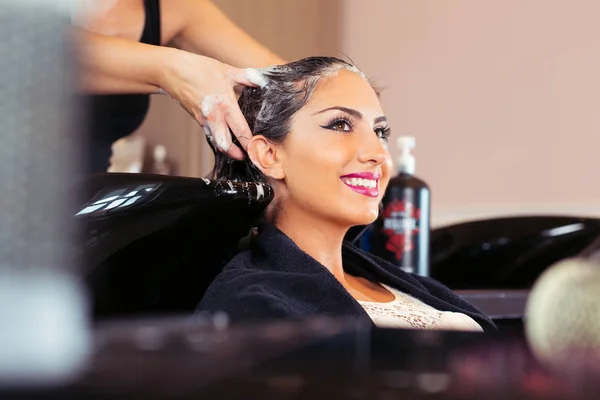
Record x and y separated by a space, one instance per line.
206 89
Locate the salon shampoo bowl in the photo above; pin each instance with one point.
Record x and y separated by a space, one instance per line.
151 244
506 253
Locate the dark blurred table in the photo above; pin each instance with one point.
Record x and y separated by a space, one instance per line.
497 304
187 358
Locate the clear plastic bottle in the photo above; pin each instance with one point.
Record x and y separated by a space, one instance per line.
159 161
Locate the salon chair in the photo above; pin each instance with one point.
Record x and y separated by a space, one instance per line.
506 253
151 244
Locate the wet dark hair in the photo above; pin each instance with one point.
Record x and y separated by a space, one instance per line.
269 110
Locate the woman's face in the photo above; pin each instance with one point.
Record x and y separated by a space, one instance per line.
335 163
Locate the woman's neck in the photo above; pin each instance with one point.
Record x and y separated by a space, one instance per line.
322 240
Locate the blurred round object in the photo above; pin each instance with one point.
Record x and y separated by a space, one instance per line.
562 317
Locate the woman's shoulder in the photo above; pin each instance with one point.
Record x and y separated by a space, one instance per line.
247 288
243 268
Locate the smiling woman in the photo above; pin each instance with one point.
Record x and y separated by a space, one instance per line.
318 138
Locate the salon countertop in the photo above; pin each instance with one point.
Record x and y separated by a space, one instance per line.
497 303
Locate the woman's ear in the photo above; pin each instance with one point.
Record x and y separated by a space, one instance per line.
266 156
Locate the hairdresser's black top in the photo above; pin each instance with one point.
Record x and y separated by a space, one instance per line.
276 279
115 116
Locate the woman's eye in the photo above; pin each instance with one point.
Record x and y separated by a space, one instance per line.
383 133
340 125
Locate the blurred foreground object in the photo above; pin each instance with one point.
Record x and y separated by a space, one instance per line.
204 357
43 340
563 319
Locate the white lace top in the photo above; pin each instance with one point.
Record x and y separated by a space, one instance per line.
408 312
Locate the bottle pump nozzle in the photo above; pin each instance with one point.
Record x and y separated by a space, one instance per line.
406 161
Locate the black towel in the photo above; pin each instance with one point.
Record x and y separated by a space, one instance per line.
276 279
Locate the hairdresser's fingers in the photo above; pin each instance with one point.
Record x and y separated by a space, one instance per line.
238 90
248 77
208 134
217 124
238 125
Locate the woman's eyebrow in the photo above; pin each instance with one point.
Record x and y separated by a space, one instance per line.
355 113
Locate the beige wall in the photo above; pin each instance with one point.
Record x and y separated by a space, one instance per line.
502 96
292 28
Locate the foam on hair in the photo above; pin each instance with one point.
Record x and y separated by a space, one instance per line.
269 110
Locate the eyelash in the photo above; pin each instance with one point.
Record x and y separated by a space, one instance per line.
381 132
385 133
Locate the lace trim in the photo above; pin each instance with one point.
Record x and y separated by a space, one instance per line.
407 311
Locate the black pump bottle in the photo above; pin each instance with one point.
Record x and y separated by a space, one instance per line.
401 232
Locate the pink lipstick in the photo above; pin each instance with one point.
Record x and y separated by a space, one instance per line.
365 183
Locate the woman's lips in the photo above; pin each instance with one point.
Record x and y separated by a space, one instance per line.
365 183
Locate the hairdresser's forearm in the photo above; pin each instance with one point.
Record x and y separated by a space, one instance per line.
113 66
208 31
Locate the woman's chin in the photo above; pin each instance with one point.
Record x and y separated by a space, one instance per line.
367 218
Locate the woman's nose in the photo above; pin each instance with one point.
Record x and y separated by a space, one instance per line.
374 151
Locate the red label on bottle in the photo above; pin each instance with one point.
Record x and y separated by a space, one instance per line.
400 224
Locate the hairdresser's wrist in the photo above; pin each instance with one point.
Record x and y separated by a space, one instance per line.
166 68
